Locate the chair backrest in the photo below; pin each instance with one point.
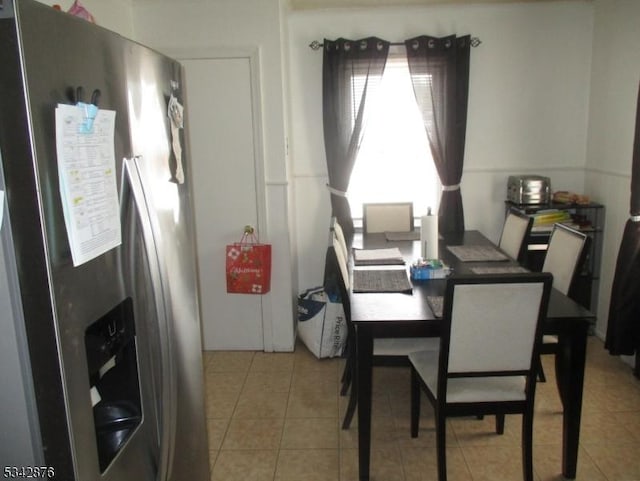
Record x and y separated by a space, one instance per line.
565 256
338 268
343 263
492 323
387 217
337 233
515 231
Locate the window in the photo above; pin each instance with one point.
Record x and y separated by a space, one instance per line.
394 162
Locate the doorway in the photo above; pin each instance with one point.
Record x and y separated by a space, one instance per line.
227 171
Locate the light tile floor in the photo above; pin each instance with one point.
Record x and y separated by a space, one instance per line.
276 417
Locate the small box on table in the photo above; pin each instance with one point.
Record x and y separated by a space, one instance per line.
428 269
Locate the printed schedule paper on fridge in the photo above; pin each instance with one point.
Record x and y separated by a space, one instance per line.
88 184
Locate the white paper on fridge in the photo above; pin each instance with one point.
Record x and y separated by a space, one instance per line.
88 184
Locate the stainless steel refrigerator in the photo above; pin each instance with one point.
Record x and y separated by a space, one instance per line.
101 374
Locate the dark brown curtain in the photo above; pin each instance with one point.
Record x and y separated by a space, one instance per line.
349 71
623 328
439 70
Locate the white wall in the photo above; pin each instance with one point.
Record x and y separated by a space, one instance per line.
528 102
614 92
115 15
229 26
553 89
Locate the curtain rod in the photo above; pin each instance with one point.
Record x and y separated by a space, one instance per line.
315 45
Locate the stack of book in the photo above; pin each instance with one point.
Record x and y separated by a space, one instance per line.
543 220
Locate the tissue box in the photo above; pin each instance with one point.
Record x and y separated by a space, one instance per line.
431 269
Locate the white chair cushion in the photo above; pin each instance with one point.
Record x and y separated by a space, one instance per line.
403 346
481 389
426 364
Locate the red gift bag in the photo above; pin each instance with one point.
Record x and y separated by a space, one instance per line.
248 265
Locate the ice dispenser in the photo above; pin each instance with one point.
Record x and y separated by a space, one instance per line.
113 373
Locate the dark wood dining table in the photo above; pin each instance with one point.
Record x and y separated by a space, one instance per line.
377 315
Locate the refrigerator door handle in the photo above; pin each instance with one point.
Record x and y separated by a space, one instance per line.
131 176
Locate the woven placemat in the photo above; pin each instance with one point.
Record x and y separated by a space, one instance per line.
402 236
369 257
499 270
477 253
388 280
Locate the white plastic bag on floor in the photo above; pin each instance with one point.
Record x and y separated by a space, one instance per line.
321 323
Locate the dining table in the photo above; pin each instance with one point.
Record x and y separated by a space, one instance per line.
407 314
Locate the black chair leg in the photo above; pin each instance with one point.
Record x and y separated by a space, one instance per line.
500 423
349 367
441 447
351 408
352 380
345 370
541 376
415 403
346 377
527 445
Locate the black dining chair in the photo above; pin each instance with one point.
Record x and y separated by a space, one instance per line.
515 231
565 257
486 361
386 352
338 242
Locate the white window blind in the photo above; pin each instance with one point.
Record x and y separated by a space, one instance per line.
394 162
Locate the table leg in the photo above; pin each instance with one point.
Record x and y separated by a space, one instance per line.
364 353
570 364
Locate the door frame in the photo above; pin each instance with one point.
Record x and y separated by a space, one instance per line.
253 56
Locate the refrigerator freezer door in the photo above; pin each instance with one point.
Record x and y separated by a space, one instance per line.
74 53
141 266
56 53
152 79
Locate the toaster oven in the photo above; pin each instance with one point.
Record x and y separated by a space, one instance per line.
529 189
